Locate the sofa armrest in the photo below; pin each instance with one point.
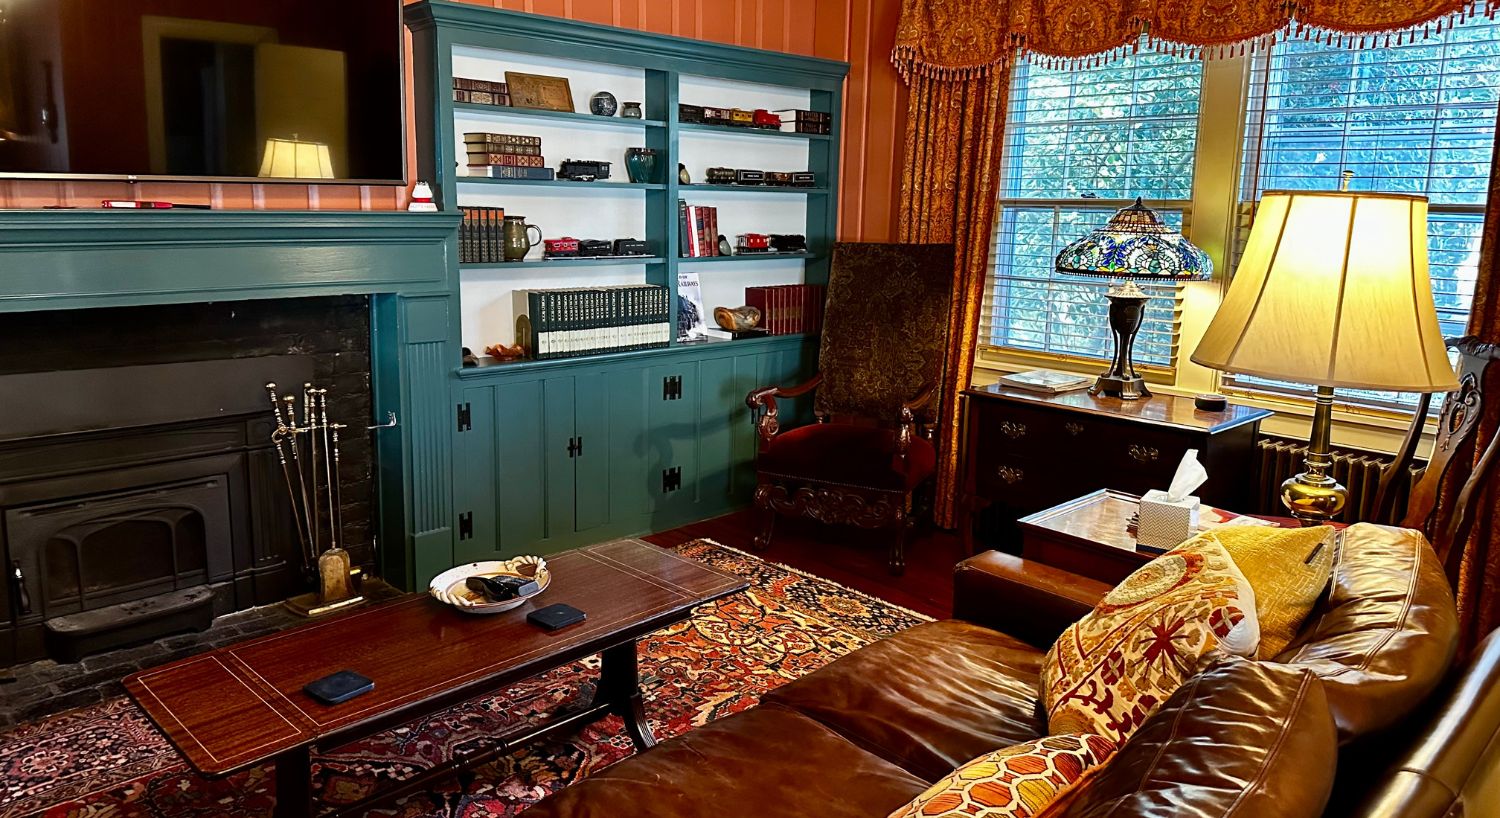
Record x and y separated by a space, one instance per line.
1028 600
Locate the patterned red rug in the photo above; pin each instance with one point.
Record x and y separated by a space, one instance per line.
108 761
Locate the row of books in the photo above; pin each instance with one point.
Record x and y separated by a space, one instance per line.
481 92
788 309
698 231
562 323
481 234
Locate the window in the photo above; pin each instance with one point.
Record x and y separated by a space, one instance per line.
1079 145
1414 118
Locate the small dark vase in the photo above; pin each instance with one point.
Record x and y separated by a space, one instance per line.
640 164
632 110
603 104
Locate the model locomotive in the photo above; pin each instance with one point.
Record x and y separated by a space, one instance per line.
583 170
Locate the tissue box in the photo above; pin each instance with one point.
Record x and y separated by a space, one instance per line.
1165 524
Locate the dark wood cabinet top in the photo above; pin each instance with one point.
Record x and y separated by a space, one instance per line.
1161 410
238 705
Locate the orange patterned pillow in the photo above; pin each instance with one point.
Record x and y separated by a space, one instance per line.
1017 782
1152 632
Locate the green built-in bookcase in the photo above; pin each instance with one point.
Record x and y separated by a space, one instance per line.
549 454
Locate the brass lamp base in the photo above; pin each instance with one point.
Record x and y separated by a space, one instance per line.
1127 308
1313 496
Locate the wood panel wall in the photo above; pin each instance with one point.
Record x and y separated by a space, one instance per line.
857 31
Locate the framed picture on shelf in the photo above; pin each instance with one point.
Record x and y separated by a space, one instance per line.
692 324
539 91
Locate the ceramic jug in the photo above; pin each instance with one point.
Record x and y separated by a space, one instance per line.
517 237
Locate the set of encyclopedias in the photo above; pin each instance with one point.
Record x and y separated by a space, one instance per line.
588 320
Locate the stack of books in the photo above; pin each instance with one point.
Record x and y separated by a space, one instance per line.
788 309
591 320
480 234
481 92
698 233
506 156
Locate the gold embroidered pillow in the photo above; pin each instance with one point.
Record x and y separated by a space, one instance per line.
1152 632
1017 782
1287 567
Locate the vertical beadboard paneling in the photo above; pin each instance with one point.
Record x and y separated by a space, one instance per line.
858 31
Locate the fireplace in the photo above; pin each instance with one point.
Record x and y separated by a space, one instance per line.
139 490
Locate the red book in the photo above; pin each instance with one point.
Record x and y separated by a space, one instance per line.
713 231
756 297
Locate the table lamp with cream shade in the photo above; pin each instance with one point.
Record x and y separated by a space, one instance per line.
1333 291
296 159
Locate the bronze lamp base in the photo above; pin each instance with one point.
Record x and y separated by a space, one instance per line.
1127 308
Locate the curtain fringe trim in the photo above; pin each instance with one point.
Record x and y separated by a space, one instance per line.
909 60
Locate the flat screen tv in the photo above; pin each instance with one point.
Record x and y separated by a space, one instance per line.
269 90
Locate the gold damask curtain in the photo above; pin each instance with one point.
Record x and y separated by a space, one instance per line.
948 195
958 38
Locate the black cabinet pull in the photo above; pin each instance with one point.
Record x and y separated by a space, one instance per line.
18 580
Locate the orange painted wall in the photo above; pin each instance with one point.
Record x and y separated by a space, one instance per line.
857 31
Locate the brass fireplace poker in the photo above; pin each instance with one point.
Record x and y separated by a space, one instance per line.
309 459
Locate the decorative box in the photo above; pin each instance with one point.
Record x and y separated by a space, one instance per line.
566 247
746 176
629 247
689 113
594 247
1166 523
720 176
583 170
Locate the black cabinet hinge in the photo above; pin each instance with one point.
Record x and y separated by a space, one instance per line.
575 447
671 387
671 479
466 525
465 417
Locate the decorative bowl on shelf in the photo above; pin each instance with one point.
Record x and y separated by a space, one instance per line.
450 587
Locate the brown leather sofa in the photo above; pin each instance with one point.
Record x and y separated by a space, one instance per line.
1363 691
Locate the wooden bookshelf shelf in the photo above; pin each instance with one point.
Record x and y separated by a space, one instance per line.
582 187
555 117
595 261
746 258
688 190
730 130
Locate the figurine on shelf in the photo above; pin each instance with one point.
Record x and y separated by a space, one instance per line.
501 352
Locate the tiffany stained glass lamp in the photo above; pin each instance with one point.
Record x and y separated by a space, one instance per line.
1134 246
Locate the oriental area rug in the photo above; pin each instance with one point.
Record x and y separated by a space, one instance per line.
108 761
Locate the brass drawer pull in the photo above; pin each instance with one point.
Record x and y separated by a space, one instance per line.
1011 474
1012 429
1143 454
1072 428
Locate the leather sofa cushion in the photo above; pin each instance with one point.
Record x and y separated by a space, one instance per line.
1244 739
766 762
848 455
1386 635
929 698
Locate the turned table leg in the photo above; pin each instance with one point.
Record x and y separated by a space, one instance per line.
620 687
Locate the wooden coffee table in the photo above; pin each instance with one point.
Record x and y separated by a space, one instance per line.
239 706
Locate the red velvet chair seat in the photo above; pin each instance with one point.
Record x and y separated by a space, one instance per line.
849 455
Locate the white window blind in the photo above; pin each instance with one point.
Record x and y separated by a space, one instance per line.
1079 145
1414 118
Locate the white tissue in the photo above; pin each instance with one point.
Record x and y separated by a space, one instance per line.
1190 475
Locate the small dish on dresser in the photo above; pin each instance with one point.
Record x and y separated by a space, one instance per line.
450 586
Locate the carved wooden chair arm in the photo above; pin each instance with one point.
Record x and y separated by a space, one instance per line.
763 409
910 424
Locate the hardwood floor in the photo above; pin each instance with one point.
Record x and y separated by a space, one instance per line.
848 556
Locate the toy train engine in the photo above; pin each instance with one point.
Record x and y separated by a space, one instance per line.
721 176
566 247
583 170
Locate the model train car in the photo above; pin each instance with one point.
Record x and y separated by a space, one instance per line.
583 170
753 243
566 247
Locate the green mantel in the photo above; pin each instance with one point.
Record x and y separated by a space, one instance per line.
63 259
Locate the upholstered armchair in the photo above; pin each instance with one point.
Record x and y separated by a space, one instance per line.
869 456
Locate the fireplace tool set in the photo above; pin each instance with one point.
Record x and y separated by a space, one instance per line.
309 454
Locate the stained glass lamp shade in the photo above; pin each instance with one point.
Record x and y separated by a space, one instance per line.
1134 245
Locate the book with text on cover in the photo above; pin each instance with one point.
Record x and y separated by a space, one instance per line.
1046 381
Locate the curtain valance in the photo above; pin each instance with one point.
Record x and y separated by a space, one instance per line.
950 39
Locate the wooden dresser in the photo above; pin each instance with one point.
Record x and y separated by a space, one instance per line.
1027 452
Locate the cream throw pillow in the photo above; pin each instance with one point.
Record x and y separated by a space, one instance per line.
1167 621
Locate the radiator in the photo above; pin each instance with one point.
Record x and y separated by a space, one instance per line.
1358 471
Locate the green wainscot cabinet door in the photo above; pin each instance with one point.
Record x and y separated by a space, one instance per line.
591 452
672 441
726 435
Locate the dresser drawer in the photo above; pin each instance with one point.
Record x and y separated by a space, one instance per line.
1024 432
1151 452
